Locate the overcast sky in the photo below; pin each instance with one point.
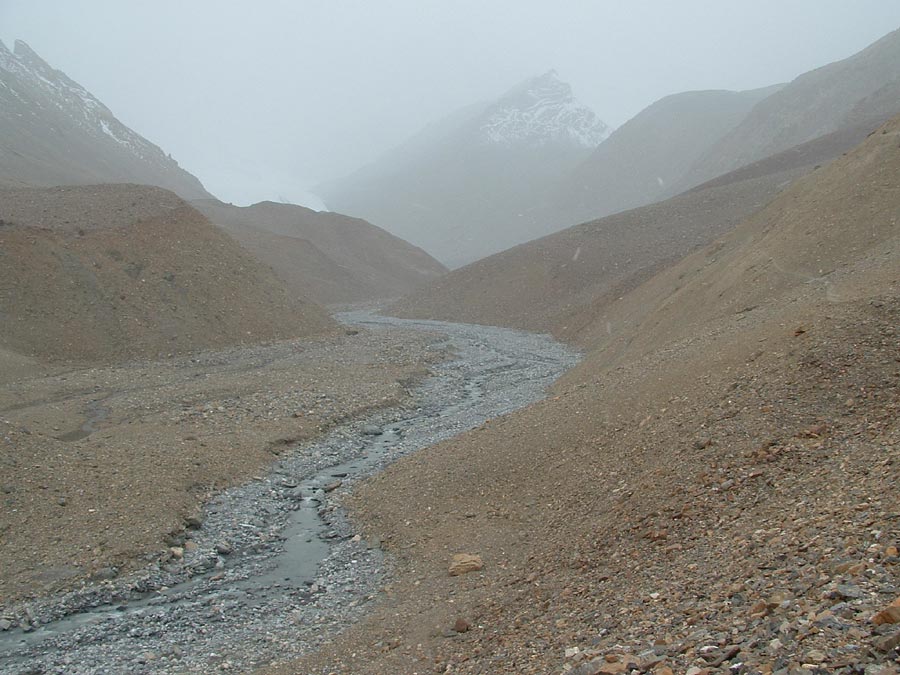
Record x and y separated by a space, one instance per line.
264 99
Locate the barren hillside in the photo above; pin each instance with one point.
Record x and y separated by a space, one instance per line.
113 271
328 257
713 486
546 284
643 158
55 132
856 90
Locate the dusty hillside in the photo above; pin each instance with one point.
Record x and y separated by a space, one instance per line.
327 257
641 159
546 284
714 485
113 271
55 132
845 93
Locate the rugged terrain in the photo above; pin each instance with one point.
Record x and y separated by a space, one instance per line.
641 160
103 466
113 271
859 90
712 486
466 186
327 257
550 284
55 132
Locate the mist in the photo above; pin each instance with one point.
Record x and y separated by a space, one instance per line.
267 102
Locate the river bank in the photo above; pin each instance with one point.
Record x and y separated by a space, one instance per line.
276 568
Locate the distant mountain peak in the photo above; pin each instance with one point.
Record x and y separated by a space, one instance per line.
542 110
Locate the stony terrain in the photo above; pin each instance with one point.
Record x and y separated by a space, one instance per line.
101 465
274 567
111 272
552 284
327 257
711 490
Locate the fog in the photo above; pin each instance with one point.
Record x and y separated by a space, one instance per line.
264 100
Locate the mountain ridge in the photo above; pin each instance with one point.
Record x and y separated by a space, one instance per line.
466 186
55 132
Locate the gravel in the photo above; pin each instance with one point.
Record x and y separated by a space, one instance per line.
275 568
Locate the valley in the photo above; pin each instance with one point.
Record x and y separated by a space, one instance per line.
541 395
262 578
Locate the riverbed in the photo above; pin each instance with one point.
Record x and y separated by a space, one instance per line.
273 568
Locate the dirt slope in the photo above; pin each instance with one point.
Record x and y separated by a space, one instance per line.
328 257
714 484
639 162
546 284
861 88
113 271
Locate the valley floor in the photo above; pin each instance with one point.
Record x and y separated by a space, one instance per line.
101 466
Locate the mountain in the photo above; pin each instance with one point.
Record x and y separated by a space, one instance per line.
107 272
861 88
54 132
464 187
327 257
550 284
711 490
644 157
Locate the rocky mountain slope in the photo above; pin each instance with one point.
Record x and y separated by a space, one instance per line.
713 486
113 271
463 188
327 257
860 89
643 158
54 132
546 285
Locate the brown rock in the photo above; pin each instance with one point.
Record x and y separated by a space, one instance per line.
463 563
890 614
461 625
888 642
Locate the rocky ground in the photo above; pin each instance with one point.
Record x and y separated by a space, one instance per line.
720 507
271 568
101 466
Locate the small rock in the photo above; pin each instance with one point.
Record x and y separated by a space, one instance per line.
463 563
5 624
372 430
332 486
176 552
461 625
702 442
849 592
887 642
193 522
890 614
105 574
224 548
815 656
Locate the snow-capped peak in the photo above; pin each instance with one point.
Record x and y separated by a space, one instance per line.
73 100
542 110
